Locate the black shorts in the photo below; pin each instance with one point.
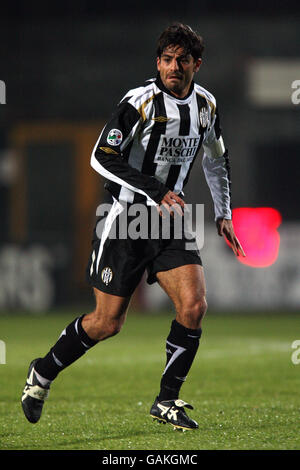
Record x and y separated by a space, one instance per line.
117 263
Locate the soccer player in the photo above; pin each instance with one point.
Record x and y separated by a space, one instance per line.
146 152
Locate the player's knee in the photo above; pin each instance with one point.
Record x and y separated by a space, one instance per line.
108 329
198 309
105 326
112 329
193 312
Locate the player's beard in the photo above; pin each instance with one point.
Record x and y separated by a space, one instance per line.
177 86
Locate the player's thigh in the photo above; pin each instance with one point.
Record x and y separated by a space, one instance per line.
185 285
109 305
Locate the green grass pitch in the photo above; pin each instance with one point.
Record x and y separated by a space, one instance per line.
243 384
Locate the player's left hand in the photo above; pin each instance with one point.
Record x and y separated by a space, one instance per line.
225 229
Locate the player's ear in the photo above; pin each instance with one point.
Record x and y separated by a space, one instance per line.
198 62
158 63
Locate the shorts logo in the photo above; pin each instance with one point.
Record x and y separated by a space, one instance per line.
204 117
106 275
114 137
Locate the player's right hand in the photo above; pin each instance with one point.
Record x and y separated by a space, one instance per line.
171 202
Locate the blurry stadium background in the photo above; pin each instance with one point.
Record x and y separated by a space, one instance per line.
64 68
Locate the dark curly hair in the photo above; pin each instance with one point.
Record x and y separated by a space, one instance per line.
178 34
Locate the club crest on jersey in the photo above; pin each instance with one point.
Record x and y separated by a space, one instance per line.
114 137
204 117
106 275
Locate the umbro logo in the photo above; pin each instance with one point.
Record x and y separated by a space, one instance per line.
161 119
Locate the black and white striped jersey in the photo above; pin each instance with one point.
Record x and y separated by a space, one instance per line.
152 140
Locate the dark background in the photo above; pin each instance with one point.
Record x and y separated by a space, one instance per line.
69 63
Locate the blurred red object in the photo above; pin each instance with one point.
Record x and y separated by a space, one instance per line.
256 229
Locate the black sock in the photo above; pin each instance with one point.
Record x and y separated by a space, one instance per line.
71 345
181 348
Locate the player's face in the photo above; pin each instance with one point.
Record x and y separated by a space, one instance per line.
177 69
